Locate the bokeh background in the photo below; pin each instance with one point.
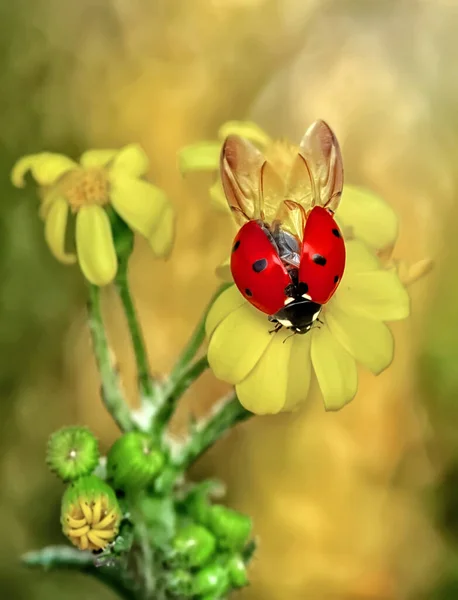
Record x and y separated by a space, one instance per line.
358 505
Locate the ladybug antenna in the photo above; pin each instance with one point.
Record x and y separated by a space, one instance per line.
287 338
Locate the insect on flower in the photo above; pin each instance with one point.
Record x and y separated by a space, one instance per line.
288 258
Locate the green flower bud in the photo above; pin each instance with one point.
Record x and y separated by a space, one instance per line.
198 506
179 582
133 461
72 452
237 571
212 582
194 545
231 528
90 513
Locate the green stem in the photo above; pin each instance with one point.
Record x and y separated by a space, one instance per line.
224 416
112 395
195 341
184 373
187 377
65 558
145 381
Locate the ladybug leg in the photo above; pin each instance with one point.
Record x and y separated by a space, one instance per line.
277 327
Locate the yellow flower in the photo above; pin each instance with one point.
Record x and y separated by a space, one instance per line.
273 372
102 179
204 156
90 513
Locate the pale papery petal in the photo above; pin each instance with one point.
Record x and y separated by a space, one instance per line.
335 369
237 343
370 342
94 245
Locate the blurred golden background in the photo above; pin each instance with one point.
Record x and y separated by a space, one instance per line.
358 505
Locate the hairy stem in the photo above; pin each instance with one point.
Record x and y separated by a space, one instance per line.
195 341
223 417
145 381
184 373
112 394
65 558
186 379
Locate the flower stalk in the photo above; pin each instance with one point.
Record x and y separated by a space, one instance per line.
112 394
147 387
225 415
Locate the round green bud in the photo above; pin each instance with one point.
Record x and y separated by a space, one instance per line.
90 513
212 581
133 461
198 506
179 582
72 452
231 528
237 571
194 545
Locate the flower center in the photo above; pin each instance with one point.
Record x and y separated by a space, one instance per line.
91 525
85 187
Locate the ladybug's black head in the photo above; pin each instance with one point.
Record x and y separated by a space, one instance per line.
298 315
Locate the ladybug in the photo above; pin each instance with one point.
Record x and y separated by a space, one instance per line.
289 265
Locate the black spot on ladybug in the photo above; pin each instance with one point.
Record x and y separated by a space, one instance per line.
336 232
248 292
319 260
303 288
259 265
236 245
336 279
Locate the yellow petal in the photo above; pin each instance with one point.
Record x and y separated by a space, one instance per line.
97 158
94 245
371 219
45 167
224 305
281 378
55 230
218 197
245 129
139 203
299 371
375 295
369 342
131 160
237 343
223 271
335 369
360 258
162 238
203 156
